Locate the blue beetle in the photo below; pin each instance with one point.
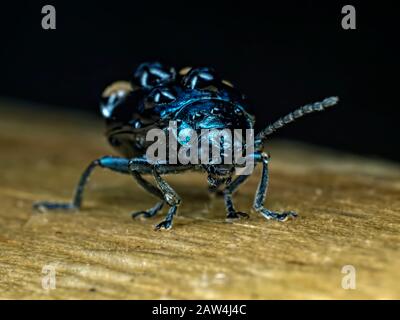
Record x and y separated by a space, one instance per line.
197 97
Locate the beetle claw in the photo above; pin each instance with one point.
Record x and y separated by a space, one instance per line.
45 206
148 213
144 214
237 215
271 215
166 224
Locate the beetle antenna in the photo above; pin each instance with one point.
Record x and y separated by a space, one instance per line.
298 113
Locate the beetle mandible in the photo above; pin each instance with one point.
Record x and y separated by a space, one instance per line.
157 94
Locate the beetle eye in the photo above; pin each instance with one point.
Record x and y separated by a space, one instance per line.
159 96
199 78
152 74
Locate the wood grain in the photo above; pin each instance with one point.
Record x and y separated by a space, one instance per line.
349 214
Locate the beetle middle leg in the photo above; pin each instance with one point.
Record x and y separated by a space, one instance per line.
262 192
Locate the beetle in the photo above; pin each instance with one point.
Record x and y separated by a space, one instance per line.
198 97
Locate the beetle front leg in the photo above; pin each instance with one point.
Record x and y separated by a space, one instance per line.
151 189
228 192
76 202
262 192
113 163
170 196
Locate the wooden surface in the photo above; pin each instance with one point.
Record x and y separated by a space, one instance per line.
349 214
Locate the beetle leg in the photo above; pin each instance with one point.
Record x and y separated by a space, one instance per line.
113 163
164 190
167 222
228 192
150 212
216 191
262 192
151 189
170 196
76 202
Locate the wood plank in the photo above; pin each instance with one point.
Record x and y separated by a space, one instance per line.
349 214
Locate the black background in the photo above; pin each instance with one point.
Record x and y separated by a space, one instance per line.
281 55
